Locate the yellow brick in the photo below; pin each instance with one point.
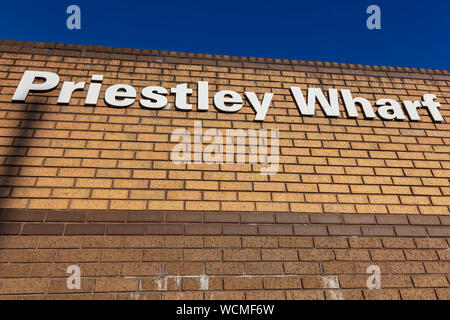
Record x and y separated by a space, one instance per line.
306 207
165 205
431 191
339 208
48 204
77 153
188 175
99 163
269 186
14 203
219 195
130 184
105 127
245 176
169 165
120 136
384 199
151 155
30 192
86 135
128 204
347 179
371 208
149 174
434 209
329 170
41 133
308 178
103 145
415 200
225 185
76 172
70 193
254 196
88 204
352 198
320 197
359 170
134 164
286 177
62 162
147 194
400 209
109 194
19 181
334 188
166 184
377 180
440 201
396 190
121 119
237 206
219 175
152 137
184 195
301 187
94 183
287 197
39 172
45 152
204 185
203 205
113 173
136 145
23 286
365 189
272 206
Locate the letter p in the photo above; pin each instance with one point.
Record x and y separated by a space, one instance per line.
27 84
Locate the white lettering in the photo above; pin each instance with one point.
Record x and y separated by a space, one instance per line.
27 84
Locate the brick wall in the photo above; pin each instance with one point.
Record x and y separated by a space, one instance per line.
94 186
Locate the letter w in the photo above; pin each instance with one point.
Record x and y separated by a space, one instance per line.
331 108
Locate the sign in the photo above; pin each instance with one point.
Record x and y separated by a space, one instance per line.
155 97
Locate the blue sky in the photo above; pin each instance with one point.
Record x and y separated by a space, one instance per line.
413 33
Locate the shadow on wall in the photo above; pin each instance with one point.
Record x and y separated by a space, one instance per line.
17 156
